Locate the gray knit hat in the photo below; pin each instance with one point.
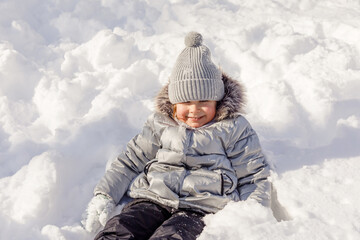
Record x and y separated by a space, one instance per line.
195 77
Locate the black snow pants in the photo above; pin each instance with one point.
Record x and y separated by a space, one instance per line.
142 219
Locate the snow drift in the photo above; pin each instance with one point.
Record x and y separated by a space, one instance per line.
77 81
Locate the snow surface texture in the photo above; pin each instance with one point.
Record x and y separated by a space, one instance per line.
77 81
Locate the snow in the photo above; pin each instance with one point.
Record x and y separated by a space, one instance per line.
78 78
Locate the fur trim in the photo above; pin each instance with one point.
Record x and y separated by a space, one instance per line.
230 106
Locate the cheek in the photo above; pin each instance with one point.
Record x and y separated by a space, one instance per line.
181 111
211 112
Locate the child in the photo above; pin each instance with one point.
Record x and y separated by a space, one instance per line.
195 154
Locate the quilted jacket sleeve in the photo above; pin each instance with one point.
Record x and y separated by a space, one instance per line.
130 163
249 162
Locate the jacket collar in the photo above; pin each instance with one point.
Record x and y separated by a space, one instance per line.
232 104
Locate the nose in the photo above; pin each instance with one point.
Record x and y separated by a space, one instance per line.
194 107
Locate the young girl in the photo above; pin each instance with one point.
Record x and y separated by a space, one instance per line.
195 154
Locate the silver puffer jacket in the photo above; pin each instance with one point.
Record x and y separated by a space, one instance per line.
200 168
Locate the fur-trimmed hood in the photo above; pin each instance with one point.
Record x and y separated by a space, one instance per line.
230 106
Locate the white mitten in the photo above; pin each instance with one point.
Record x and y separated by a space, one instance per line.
97 213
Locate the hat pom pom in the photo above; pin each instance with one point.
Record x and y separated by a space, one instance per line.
193 39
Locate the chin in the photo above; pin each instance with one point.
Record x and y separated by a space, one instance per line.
195 125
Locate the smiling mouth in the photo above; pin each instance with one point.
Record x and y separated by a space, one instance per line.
195 118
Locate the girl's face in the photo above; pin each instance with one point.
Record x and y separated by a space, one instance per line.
196 113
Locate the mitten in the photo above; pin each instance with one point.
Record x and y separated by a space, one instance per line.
97 213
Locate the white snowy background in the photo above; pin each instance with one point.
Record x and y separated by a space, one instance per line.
78 78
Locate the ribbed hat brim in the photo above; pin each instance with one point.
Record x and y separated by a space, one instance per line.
196 90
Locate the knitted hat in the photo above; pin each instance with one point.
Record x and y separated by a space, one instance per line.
195 77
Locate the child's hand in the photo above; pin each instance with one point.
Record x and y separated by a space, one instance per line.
97 213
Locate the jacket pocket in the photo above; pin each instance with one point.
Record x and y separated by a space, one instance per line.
202 182
147 166
228 183
165 180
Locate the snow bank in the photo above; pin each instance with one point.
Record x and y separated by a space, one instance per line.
320 200
77 81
